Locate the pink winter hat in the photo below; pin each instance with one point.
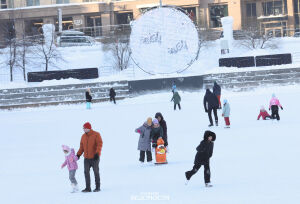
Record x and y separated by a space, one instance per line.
66 148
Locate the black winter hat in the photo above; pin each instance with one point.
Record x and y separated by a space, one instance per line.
158 114
208 133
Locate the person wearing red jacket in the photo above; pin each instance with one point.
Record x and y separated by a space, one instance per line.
264 114
91 145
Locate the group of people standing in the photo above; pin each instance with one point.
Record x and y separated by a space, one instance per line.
150 132
88 97
90 145
212 102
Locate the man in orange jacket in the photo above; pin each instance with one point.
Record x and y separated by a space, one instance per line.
90 145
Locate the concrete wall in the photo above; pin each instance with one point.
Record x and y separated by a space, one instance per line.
165 84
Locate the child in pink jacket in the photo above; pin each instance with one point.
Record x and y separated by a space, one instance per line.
274 103
71 163
263 113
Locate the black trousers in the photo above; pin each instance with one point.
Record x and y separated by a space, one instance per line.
112 99
142 156
275 113
178 106
215 114
88 163
196 167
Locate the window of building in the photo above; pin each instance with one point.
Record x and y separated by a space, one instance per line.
94 26
190 12
217 12
251 9
124 18
33 27
297 14
91 0
272 8
3 4
32 2
62 1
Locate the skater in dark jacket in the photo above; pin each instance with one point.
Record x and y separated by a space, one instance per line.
163 124
217 92
88 98
112 95
176 98
211 103
156 132
204 153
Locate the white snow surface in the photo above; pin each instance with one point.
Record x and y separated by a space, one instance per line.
254 162
95 56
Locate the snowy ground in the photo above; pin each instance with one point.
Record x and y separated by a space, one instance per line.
254 162
97 56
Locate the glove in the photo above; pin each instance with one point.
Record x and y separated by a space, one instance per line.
139 131
96 157
281 108
205 110
166 144
78 156
154 145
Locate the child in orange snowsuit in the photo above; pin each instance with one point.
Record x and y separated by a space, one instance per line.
160 152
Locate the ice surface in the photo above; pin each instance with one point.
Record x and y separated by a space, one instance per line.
254 162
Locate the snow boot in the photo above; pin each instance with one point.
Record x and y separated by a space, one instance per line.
188 176
74 188
97 189
216 123
210 125
208 185
86 190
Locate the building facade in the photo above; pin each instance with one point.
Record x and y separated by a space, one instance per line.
96 17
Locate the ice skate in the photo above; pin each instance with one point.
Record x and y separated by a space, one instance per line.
208 185
74 188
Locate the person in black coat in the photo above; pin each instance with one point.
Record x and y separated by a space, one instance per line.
211 103
88 98
163 124
204 153
217 92
112 95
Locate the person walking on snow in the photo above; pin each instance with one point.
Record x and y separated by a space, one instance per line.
112 95
204 153
88 98
144 144
91 145
263 113
274 103
210 102
217 92
71 163
226 113
176 98
156 132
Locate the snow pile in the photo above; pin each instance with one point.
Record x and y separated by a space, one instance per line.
170 36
